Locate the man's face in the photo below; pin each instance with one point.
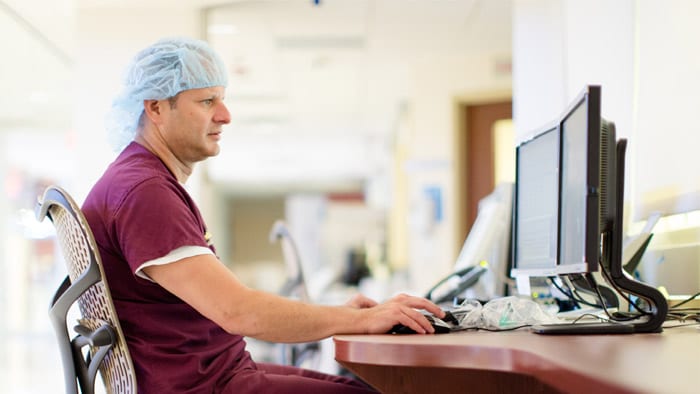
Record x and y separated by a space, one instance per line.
192 126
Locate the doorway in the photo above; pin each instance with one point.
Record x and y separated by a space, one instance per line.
478 145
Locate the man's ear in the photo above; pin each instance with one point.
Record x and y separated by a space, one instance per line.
153 110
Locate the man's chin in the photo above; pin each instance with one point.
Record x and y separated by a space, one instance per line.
209 152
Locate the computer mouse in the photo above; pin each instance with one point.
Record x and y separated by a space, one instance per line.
401 329
439 326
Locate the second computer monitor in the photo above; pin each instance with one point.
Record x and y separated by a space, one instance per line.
536 213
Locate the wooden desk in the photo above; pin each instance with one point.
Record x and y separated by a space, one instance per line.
523 362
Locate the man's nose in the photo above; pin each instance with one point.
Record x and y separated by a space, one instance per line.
222 114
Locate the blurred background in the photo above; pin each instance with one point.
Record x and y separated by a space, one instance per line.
371 127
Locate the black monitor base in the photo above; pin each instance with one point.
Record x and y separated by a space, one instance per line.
588 328
612 260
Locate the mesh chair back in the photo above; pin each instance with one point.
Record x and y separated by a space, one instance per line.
98 325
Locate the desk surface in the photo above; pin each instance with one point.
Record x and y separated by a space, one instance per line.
650 363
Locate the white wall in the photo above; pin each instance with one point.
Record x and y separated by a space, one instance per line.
561 46
644 55
667 100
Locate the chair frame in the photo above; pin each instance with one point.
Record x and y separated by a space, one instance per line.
305 354
98 328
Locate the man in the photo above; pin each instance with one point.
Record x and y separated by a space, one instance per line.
184 314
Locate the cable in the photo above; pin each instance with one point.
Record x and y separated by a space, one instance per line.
575 293
503 329
592 282
597 317
634 305
571 294
687 300
674 314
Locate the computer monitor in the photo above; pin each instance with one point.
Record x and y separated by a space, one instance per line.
588 199
588 186
536 207
565 185
482 268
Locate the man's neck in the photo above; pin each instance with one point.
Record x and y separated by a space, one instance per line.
180 170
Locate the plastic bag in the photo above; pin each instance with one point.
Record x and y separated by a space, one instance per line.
498 314
511 312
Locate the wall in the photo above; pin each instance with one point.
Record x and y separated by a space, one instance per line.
430 161
644 55
668 82
559 47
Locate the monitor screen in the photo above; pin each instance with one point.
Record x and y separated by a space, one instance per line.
536 205
579 243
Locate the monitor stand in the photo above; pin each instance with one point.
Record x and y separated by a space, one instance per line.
619 278
582 328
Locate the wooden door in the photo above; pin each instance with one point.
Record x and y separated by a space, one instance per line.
478 152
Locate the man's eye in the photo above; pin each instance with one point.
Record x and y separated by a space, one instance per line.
208 101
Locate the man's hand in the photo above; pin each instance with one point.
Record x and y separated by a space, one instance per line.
401 309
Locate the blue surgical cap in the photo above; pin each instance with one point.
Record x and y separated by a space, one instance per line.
159 72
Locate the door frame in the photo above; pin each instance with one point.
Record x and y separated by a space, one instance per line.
461 157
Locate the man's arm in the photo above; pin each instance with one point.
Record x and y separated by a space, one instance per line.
213 290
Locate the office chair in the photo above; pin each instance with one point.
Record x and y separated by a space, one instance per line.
305 355
295 285
98 326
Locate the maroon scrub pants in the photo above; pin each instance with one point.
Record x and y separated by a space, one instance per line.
282 379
